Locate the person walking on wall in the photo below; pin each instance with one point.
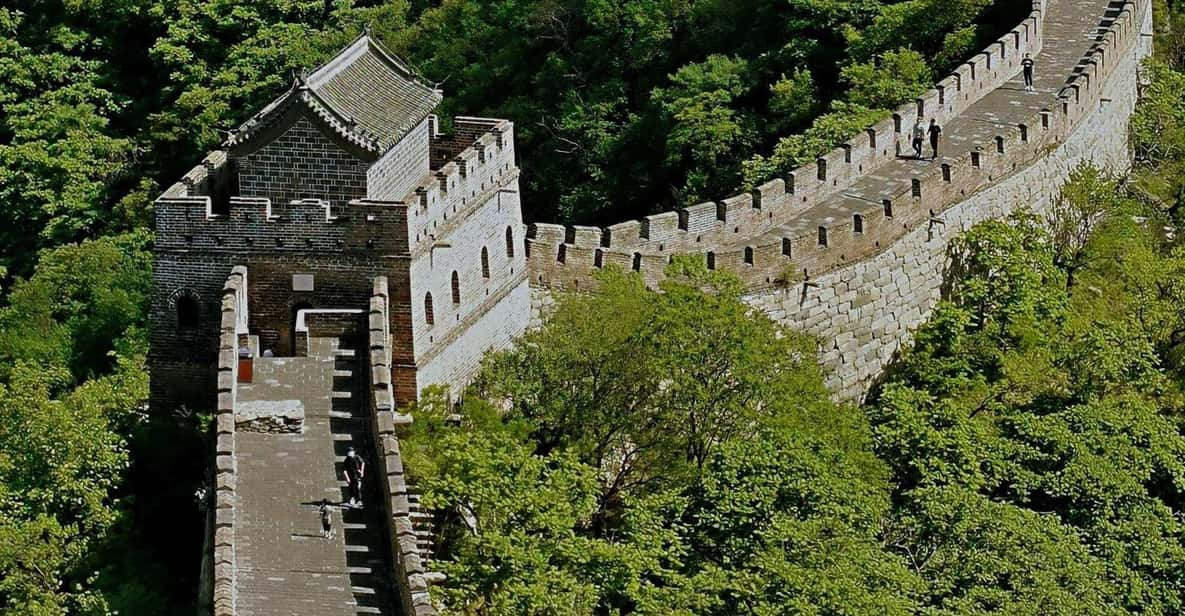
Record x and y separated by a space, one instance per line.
935 131
1027 65
326 519
355 470
919 135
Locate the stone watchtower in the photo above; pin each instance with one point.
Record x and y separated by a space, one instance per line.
342 179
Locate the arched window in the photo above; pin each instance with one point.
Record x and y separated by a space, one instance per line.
456 289
748 255
188 314
429 313
485 262
509 243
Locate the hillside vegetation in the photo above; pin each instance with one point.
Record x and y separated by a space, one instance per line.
1024 458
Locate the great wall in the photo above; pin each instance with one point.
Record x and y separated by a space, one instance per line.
342 254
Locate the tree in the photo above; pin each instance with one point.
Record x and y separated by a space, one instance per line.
81 300
60 462
646 385
899 76
1028 403
793 99
706 129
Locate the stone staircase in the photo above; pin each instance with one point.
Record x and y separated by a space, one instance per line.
364 529
421 520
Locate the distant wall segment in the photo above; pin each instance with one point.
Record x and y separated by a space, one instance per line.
862 279
747 233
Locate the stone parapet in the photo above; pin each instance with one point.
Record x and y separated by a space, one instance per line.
234 313
410 574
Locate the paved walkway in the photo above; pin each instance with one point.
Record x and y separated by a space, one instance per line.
285 567
1072 27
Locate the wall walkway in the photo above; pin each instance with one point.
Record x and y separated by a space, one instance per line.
284 566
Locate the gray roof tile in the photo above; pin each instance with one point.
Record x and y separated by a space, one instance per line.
368 95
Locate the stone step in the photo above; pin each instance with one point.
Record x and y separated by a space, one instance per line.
344 353
343 373
341 395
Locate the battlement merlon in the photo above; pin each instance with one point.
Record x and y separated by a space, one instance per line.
763 234
756 239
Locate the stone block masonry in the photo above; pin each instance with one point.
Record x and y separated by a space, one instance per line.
302 163
762 234
335 250
224 563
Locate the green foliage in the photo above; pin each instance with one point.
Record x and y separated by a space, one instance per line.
1158 137
978 556
923 25
706 130
828 132
898 77
60 461
1035 416
657 453
59 157
793 99
658 380
622 108
81 301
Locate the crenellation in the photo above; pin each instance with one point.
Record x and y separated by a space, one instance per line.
583 236
700 219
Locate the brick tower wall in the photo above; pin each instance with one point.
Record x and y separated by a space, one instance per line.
302 163
342 248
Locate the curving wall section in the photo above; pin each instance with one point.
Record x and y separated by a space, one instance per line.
858 259
763 234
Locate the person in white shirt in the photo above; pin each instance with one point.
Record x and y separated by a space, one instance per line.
919 137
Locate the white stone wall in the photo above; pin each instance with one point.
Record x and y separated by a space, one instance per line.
864 313
493 310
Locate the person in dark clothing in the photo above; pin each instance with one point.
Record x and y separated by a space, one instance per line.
326 519
935 131
1027 65
355 470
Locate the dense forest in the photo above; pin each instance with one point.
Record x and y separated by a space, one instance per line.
1025 457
